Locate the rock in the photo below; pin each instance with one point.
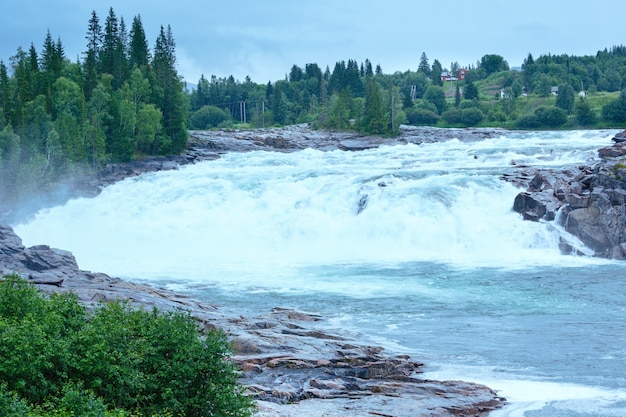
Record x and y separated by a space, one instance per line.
616 151
530 207
290 369
590 199
620 137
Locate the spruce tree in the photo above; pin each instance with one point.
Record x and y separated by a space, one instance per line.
169 91
90 63
5 96
424 66
138 48
112 59
374 121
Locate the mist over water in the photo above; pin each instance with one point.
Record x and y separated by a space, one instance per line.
412 247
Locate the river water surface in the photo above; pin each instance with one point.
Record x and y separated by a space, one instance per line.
415 248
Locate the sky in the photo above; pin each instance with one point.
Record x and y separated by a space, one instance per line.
264 39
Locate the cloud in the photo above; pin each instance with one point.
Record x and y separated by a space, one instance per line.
264 39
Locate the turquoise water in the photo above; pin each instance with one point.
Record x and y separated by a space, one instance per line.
414 248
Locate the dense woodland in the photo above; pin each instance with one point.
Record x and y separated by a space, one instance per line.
119 101
122 100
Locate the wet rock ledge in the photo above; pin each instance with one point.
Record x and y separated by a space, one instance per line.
587 201
291 362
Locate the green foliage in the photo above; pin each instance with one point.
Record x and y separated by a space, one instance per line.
424 117
464 117
207 117
615 110
584 114
68 115
493 63
565 98
471 92
57 359
374 121
437 97
544 116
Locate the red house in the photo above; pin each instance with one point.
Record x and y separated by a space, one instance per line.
448 76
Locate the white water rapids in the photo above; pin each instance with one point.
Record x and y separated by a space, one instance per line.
414 247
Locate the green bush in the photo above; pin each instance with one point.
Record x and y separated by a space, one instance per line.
551 116
544 116
615 110
529 121
465 117
421 117
584 114
58 359
207 117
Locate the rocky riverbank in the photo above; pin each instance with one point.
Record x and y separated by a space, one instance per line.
292 362
587 201
210 144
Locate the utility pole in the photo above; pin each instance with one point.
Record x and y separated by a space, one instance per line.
392 110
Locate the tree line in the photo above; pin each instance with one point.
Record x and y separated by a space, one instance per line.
118 101
122 100
356 96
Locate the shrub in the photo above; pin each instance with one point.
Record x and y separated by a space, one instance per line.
59 359
421 117
466 117
615 110
551 116
529 121
207 117
544 116
585 116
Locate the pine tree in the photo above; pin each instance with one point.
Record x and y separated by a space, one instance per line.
435 73
368 68
139 54
471 92
374 121
90 64
33 59
5 95
424 66
109 43
169 90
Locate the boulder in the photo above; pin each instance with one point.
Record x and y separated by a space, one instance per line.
591 201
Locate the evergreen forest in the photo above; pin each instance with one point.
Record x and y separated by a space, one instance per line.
122 100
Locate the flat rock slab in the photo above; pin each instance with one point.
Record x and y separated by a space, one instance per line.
292 363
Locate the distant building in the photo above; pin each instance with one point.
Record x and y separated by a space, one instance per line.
448 76
554 91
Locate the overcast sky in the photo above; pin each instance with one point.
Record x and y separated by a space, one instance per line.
263 39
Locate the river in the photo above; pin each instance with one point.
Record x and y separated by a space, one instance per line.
412 247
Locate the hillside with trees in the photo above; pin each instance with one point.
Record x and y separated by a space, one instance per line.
548 92
117 102
122 100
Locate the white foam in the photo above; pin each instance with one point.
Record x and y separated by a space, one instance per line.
251 212
524 395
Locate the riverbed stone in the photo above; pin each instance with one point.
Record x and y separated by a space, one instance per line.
588 201
291 361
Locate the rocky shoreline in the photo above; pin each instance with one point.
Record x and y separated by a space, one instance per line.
587 201
291 362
